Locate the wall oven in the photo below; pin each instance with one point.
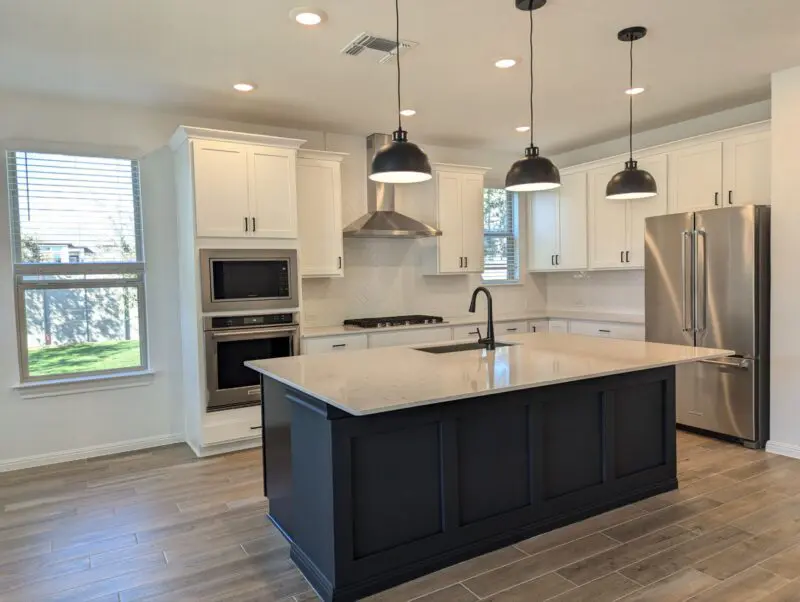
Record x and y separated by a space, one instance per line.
230 341
249 280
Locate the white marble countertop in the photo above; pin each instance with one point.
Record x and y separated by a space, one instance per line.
480 318
373 381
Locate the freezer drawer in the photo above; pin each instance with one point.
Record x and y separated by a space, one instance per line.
718 396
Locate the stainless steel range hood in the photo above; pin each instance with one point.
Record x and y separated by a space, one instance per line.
381 220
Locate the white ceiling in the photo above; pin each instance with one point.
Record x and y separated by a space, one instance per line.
700 56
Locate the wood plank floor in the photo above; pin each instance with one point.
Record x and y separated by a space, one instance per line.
162 525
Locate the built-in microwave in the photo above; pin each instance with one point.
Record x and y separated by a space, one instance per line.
249 280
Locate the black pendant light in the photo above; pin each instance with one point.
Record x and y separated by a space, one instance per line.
400 161
534 172
631 182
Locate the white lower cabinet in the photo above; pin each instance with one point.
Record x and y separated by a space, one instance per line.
410 337
501 328
539 326
468 331
611 330
350 342
558 326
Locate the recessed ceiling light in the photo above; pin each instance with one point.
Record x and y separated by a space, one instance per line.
523 128
305 15
634 91
408 112
505 63
244 87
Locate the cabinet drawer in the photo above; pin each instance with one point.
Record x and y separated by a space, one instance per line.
410 337
610 330
341 343
232 425
467 331
502 328
558 326
539 326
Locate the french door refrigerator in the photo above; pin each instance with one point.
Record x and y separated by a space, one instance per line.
707 284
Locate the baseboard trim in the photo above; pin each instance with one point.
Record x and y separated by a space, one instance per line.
92 451
783 449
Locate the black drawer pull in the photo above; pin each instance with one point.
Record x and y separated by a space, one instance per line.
603 330
512 329
255 428
339 345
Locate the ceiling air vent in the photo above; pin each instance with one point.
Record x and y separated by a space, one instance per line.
384 46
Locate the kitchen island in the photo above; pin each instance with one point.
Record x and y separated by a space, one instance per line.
385 464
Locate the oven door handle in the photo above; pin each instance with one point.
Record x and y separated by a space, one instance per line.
264 333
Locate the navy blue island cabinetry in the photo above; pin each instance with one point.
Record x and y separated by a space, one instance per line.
371 501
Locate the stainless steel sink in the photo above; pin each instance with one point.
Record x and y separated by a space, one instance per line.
459 347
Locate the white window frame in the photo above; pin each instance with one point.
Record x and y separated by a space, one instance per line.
513 233
129 274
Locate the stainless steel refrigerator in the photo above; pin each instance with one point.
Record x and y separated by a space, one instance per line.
707 284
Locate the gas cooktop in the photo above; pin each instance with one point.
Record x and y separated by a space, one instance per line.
393 321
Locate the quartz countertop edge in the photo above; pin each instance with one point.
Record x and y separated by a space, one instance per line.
374 381
480 318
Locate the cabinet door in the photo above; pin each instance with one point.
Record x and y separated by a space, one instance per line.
572 223
608 234
695 181
640 209
472 224
543 230
747 169
273 196
558 326
451 242
220 188
319 214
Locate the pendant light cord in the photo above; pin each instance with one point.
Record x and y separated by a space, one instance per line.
630 107
530 14
397 60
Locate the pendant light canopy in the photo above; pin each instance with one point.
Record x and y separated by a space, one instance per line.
533 172
631 182
400 161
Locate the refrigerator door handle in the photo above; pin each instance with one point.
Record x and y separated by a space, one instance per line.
686 325
701 281
730 363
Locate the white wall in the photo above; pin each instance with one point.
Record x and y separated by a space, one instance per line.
613 292
39 430
785 358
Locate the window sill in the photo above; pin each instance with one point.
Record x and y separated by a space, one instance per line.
85 384
501 283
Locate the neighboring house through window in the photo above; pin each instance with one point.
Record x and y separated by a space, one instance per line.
500 236
79 265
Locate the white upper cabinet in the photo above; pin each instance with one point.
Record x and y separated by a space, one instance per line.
747 169
243 185
727 170
273 195
696 178
557 226
458 192
319 213
616 227
221 188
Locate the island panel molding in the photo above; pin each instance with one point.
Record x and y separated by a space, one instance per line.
368 502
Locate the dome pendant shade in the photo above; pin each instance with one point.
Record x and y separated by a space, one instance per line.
532 173
400 162
631 183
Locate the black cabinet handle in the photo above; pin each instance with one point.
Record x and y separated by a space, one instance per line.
254 223
622 256
716 199
339 346
466 262
730 197
552 260
512 329
340 263
246 225
627 256
558 259
461 262
533 328
602 330
255 428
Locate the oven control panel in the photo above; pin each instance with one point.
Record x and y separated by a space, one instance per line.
247 321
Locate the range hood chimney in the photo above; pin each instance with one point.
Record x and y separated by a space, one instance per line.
381 220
